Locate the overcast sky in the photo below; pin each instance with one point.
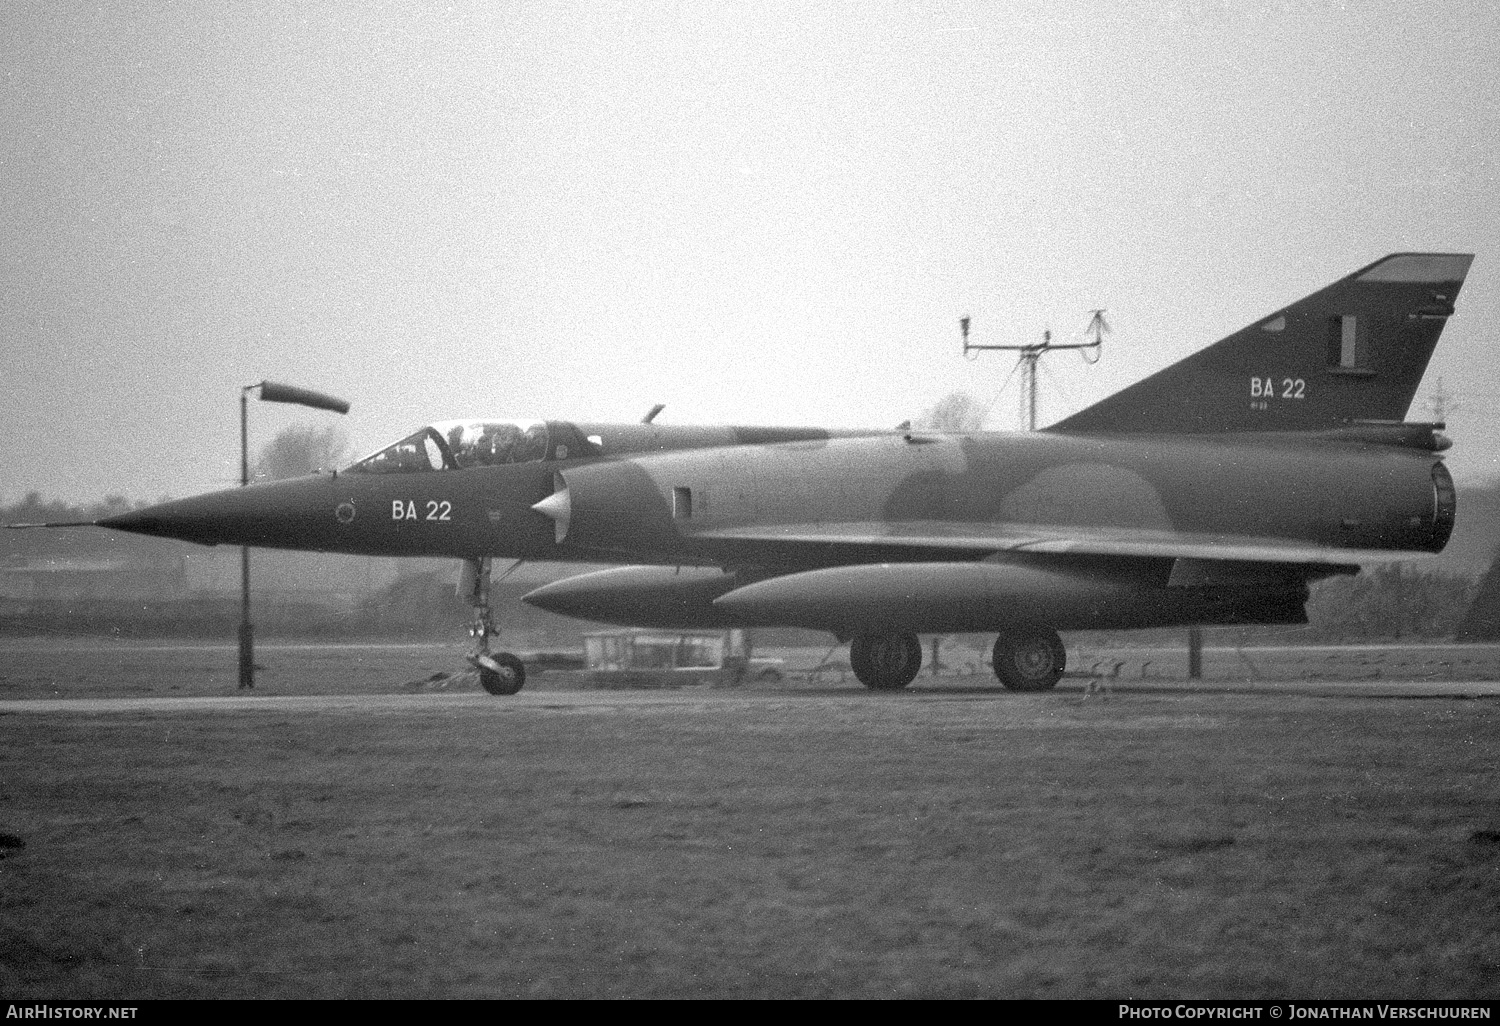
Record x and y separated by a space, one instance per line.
764 212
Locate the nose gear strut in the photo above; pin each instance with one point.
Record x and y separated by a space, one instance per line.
500 673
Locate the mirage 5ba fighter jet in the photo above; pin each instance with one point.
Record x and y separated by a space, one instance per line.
1212 492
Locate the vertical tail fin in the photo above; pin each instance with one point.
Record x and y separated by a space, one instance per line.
1355 350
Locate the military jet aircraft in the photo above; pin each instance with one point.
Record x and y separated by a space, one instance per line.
1212 492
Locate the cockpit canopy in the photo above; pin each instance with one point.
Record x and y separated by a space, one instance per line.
459 444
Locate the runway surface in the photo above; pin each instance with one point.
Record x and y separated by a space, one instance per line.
113 676
542 699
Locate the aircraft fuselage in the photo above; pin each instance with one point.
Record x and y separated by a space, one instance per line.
777 505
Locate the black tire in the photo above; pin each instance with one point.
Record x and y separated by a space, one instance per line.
510 679
885 662
1030 658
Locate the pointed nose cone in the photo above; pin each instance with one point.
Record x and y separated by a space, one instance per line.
149 521
273 515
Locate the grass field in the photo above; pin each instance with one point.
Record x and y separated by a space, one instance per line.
764 842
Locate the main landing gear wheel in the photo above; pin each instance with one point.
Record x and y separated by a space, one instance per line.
1030 658
885 662
504 676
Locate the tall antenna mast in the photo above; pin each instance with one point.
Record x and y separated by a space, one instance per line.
1030 353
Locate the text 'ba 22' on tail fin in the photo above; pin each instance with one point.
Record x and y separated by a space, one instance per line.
1353 351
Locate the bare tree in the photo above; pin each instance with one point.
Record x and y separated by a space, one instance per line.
302 449
956 411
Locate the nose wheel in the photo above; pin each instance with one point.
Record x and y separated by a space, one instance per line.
500 673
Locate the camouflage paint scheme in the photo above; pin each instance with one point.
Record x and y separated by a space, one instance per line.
1212 492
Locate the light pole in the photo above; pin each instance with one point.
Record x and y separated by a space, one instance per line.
270 392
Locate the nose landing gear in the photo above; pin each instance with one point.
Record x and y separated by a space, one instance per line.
500 673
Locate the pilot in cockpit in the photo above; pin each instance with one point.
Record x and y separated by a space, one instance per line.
461 453
498 444
532 445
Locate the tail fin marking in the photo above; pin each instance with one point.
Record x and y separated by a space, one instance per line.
1355 350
